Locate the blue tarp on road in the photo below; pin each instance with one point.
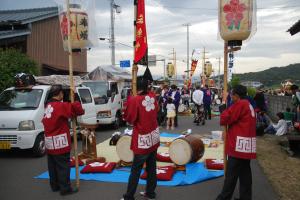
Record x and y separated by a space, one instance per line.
195 173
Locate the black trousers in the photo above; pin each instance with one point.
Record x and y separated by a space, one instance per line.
237 169
207 111
176 117
199 114
136 169
59 172
186 102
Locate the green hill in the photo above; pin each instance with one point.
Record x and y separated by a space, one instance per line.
274 76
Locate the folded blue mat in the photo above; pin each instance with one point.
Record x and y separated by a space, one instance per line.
171 135
195 173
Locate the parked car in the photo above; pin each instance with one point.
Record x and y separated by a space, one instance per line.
107 99
21 113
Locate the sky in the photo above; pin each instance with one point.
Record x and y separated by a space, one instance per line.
270 46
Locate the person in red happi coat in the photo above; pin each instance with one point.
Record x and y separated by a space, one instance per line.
58 139
141 112
241 144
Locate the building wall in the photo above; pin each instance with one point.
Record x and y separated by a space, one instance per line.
45 46
277 104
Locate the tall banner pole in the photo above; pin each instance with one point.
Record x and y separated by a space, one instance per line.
134 66
225 93
72 89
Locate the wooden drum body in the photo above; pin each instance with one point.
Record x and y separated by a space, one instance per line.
186 149
123 149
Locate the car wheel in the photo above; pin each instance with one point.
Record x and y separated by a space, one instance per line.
39 148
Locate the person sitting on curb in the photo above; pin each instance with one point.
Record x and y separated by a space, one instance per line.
278 129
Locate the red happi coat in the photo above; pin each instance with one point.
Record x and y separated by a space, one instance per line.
56 126
141 112
241 136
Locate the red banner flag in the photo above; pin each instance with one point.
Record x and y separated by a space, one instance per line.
141 46
193 67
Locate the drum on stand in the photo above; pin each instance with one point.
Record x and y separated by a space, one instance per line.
186 149
123 149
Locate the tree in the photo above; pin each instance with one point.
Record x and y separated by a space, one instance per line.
12 62
234 81
251 91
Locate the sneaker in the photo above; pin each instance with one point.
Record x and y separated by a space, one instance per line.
68 192
143 194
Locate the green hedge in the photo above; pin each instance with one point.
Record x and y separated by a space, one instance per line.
12 62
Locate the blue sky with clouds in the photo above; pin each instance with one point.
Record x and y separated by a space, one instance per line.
270 46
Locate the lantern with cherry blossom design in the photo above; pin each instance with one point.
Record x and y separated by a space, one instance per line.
236 19
78 30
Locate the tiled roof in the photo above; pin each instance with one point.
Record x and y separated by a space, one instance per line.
13 33
26 16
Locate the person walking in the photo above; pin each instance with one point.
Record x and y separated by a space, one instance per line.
185 94
198 101
58 139
160 101
175 95
240 143
171 113
141 112
207 102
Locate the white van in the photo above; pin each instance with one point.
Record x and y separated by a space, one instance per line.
107 99
21 112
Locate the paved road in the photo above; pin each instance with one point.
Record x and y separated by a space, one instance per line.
18 168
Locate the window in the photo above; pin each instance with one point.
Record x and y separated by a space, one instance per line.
99 91
123 94
25 99
85 96
114 88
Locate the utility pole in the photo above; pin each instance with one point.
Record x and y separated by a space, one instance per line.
187 49
175 66
219 73
203 67
112 33
164 69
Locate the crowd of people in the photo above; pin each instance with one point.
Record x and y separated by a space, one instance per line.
287 120
171 99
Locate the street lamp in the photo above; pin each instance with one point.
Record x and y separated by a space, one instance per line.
113 7
118 8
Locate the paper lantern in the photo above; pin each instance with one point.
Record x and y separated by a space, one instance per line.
170 70
78 30
235 19
208 69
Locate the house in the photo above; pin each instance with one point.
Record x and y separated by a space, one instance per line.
253 84
36 32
